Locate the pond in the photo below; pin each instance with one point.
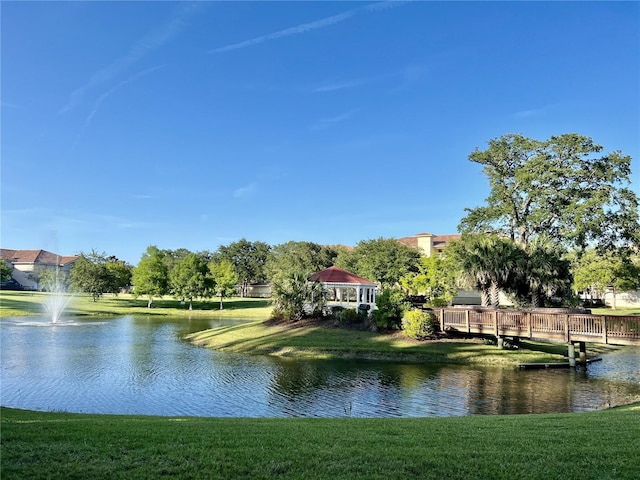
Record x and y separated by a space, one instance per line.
141 365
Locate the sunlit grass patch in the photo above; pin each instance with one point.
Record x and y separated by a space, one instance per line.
327 342
16 304
617 311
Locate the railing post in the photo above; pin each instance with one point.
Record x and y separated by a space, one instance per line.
529 324
605 338
572 354
466 319
567 335
442 319
494 314
583 353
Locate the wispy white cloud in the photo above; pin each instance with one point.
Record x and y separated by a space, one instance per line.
245 191
100 222
330 121
142 196
153 40
371 141
70 221
346 84
307 27
404 78
533 112
4 104
105 95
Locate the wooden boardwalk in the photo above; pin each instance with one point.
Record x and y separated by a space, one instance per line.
547 325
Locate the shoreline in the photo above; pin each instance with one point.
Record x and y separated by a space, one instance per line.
321 340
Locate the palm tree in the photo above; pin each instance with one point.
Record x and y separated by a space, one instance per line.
295 295
544 272
488 263
472 272
504 259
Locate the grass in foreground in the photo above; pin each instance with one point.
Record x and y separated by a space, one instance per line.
326 342
17 304
595 445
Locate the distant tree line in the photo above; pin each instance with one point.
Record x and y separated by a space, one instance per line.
559 218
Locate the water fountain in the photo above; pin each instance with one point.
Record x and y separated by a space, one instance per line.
57 296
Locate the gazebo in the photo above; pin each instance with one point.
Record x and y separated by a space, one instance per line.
346 289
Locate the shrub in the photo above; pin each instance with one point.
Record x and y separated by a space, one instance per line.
419 324
391 305
351 315
439 302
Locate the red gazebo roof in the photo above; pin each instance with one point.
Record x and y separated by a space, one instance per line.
337 275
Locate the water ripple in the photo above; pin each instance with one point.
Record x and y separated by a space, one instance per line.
133 365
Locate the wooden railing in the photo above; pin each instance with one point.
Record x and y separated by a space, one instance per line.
544 325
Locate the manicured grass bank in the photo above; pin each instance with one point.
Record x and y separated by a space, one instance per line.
17 304
326 342
596 445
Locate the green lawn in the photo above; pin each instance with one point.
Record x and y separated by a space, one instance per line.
327 342
16 304
586 446
617 311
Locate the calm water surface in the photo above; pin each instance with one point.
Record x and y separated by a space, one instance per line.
139 365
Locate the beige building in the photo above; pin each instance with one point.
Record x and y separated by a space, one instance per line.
28 264
429 244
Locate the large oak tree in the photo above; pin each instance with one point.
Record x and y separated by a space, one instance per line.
563 188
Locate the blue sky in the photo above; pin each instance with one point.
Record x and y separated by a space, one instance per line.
197 124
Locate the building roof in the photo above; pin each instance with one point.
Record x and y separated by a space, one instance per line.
438 241
409 241
337 275
36 256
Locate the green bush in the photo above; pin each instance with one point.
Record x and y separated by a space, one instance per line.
439 302
391 305
419 324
